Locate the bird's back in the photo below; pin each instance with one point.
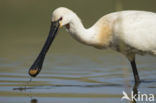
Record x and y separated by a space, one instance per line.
134 28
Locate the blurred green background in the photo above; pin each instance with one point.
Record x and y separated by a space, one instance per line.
24 24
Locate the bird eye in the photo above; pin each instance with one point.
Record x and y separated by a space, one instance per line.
60 18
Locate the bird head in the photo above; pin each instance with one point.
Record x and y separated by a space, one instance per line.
62 15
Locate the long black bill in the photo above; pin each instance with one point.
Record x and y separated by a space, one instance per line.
37 65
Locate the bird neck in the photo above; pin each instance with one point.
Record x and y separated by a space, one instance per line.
79 32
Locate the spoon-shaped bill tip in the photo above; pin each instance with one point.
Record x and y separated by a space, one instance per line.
33 72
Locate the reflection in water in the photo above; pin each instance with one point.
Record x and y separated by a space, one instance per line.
50 87
135 89
36 91
33 100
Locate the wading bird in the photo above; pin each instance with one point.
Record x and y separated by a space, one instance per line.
129 32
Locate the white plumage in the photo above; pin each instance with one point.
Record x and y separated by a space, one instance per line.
128 32
135 29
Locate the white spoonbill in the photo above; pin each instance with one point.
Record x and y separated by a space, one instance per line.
129 32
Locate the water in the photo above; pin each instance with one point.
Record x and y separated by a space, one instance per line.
72 72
